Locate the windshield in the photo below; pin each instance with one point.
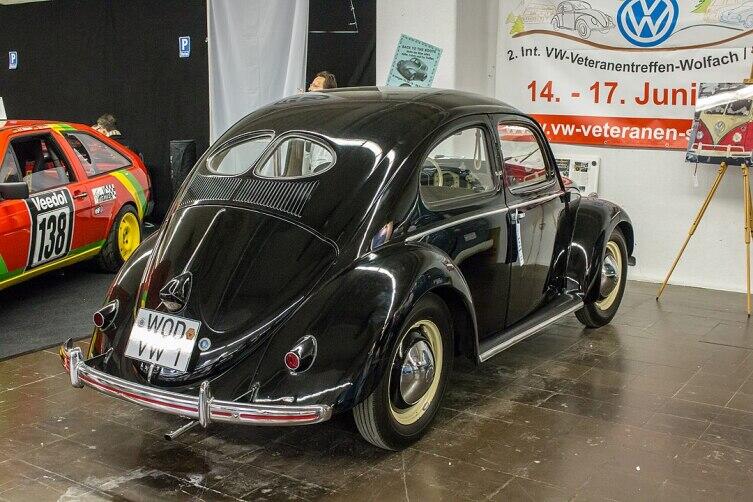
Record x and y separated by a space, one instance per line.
739 108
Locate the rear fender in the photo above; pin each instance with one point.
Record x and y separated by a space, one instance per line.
124 289
595 221
356 319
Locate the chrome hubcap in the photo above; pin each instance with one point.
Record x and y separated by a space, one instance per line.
610 275
417 372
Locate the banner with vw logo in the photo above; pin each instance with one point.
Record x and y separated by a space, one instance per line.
619 72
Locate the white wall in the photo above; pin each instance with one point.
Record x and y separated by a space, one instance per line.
654 187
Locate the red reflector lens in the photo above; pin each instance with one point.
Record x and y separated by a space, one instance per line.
292 361
99 319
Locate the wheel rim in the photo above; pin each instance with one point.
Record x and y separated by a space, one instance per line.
129 235
611 269
583 30
416 372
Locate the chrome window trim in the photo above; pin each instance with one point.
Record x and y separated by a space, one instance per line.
502 210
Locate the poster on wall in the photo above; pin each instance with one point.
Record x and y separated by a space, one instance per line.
619 72
722 129
580 171
415 63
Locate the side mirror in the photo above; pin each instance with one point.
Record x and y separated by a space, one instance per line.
19 190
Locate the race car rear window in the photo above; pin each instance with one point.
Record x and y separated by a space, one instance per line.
296 157
95 156
238 158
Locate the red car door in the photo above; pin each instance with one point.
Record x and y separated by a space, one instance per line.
58 210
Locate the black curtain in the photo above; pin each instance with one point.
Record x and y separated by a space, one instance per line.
350 56
79 59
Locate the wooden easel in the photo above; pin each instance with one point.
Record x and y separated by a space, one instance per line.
748 217
748 225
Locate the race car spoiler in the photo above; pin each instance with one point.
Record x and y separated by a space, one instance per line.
204 409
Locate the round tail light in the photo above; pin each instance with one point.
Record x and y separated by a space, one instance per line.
104 317
302 355
292 361
99 319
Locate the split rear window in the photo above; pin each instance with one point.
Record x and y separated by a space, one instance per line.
290 157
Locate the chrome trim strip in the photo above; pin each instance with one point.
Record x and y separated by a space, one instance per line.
202 408
501 210
530 331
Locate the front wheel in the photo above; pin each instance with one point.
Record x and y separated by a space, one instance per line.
122 241
612 285
584 31
407 397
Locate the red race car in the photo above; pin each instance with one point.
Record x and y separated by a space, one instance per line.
67 194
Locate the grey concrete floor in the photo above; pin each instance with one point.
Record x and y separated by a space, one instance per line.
50 308
657 405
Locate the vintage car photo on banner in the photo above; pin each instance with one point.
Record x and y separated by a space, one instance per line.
376 250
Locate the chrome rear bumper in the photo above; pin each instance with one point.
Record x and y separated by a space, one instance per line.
202 408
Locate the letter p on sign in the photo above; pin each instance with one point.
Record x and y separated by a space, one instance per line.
184 47
12 60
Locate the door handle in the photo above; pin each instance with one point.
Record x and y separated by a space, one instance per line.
80 195
517 215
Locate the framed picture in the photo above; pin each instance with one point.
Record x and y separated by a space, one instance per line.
580 171
722 130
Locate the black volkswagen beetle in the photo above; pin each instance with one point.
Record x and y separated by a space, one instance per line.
336 250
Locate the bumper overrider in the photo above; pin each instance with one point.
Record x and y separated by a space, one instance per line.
203 408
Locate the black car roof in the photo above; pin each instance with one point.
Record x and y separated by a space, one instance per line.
384 115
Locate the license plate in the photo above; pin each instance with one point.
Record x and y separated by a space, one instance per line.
163 339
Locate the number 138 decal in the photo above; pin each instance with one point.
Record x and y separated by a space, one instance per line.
51 226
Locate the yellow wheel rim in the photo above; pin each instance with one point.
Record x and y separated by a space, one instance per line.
412 414
129 235
613 249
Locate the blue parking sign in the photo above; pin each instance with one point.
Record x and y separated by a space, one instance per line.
184 47
12 60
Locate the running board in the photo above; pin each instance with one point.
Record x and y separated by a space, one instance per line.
506 339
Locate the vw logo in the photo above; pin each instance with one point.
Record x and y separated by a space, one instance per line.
647 23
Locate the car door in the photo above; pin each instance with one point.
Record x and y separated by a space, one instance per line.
58 207
568 15
462 212
538 222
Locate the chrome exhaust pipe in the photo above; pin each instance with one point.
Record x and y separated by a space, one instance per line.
170 436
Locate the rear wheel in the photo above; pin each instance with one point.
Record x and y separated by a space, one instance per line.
122 241
407 397
612 285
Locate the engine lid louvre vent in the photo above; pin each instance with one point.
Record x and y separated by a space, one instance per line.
286 196
211 188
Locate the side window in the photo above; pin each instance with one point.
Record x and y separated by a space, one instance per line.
42 164
457 167
95 156
9 171
524 163
295 157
